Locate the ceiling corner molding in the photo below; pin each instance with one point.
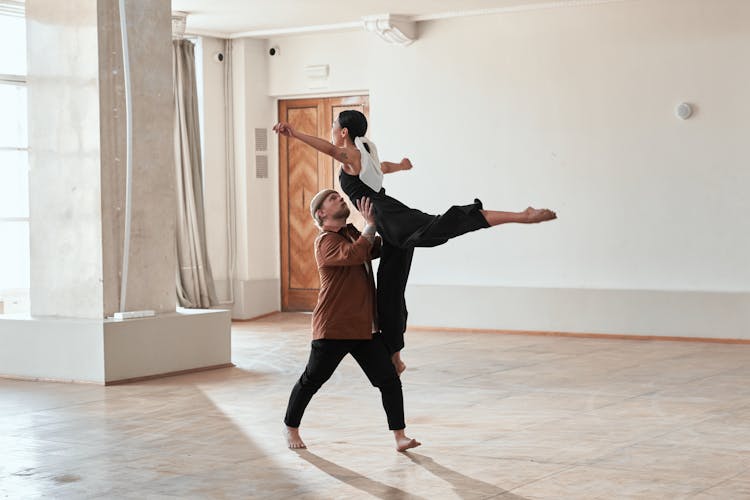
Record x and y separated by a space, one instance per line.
206 33
300 30
179 23
516 8
395 30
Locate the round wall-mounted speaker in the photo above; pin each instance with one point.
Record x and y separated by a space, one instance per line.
684 110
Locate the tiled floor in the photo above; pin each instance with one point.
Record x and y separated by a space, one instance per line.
500 416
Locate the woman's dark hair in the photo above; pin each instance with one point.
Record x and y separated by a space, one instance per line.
355 122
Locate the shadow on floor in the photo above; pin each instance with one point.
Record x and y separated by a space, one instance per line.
348 476
464 486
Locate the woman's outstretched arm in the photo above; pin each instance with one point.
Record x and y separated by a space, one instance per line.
325 147
388 167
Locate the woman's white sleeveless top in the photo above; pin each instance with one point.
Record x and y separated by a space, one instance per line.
370 174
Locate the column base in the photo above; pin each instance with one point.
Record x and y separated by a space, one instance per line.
109 351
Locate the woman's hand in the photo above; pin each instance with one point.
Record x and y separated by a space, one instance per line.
283 128
364 205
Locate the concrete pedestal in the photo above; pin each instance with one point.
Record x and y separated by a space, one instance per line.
109 351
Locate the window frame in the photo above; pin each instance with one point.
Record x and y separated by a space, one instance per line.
19 81
14 9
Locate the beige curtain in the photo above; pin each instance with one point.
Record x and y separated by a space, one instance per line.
195 284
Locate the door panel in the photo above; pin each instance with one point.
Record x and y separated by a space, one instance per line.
303 184
302 173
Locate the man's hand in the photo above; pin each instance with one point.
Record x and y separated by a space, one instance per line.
283 128
405 164
364 205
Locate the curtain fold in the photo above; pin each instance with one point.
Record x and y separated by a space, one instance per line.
195 284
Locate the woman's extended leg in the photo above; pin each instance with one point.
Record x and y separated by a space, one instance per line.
529 216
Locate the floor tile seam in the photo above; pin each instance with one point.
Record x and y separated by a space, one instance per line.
579 392
614 403
675 475
692 493
570 417
725 480
643 468
624 444
452 385
515 364
609 405
452 346
527 389
659 436
488 374
544 477
726 449
708 419
701 378
623 368
462 378
53 408
745 465
654 422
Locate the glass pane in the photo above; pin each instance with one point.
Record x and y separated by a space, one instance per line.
14 184
13 42
13 117
14 255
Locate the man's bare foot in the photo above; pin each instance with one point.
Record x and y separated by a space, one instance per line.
400 366
534 215
403 442
293 440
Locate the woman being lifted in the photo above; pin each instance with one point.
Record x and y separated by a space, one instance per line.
401 227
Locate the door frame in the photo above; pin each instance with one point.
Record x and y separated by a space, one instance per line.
298 299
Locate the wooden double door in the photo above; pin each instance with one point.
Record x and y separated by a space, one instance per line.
302 173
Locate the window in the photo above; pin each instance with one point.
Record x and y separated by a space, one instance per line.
14 162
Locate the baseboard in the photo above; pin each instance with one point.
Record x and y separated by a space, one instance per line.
168 374
723 316
262 316
604 336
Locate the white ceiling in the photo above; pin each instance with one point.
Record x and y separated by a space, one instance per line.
259 17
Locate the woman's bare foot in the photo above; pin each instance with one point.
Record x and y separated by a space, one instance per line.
293 440
403 442
534 215
529 216
400 366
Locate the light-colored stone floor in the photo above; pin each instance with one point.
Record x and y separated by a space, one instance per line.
500 416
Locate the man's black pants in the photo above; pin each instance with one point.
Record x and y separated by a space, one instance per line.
374 359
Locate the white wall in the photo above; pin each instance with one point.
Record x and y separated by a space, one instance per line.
210 74
256 287
570 108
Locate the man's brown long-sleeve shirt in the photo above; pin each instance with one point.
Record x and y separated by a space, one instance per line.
347 306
